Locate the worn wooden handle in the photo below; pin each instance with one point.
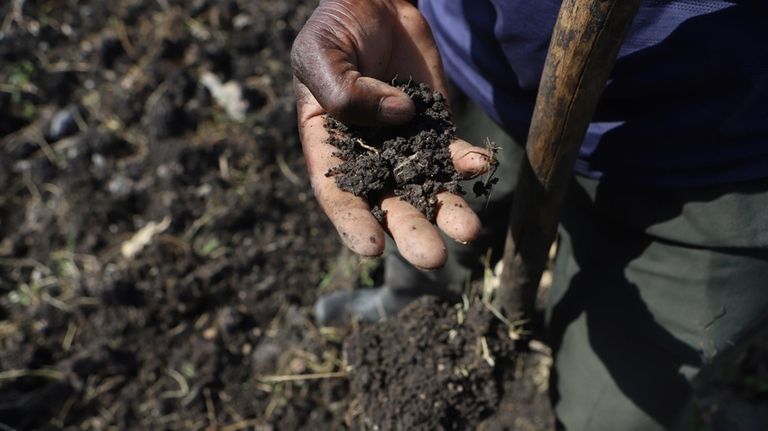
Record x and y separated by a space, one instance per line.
584 45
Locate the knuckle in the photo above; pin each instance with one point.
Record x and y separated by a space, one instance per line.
296 56
299 49
341 103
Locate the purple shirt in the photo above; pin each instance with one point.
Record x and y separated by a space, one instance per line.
687 102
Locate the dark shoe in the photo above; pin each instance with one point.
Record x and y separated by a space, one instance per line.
364 305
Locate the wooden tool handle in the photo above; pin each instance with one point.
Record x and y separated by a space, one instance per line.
584 45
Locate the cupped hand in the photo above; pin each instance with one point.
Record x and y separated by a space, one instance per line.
341 58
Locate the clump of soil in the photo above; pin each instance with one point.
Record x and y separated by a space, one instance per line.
411 160
437 366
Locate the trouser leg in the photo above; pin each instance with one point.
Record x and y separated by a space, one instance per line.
636 320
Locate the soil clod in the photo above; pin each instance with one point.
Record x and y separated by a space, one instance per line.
411 161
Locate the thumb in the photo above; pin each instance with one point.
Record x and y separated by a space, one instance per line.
325 61
362 100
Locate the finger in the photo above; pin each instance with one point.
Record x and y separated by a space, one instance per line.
326 62
351 215
417 240
456 218
469 160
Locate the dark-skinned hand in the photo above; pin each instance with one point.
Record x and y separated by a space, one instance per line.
341 60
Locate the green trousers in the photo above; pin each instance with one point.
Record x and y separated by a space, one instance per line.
652 288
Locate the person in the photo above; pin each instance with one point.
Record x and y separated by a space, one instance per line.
663 249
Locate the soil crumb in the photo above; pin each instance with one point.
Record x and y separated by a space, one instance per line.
412 161
442 367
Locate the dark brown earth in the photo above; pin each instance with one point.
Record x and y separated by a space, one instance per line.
440 367
208 325
183 333
412 160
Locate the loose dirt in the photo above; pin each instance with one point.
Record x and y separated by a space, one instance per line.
437 366
411 161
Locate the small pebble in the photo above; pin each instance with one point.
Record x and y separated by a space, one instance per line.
210 333
63 124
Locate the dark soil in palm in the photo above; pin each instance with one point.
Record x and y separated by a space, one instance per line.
436 366
412 161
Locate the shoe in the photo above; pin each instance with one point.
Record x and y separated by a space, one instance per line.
363 305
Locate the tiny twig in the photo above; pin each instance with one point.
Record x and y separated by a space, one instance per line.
515 328
122 34
210 409
15 16
27 88
69 337
405 163
486 352
48 373
79 120
286 170
495 311
224 167
243 424
183 385
302 377
366 146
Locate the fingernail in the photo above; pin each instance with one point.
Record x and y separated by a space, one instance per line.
476 163
396 110
484 160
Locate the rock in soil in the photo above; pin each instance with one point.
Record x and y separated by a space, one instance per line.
436 366
62 124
